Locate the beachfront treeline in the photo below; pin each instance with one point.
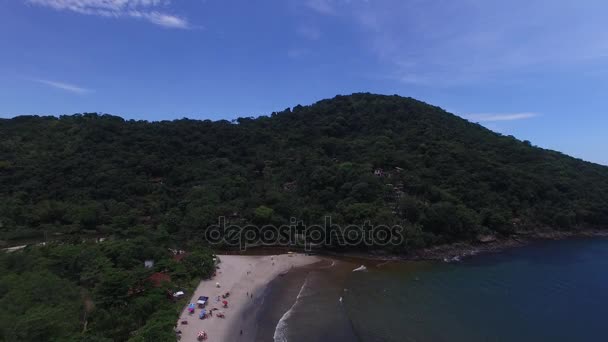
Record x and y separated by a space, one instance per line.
96 291
386 159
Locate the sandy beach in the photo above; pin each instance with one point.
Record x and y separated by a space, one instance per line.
245 277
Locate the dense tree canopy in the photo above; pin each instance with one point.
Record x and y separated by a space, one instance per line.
94 291
387 159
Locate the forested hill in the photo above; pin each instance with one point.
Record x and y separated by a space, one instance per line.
361 157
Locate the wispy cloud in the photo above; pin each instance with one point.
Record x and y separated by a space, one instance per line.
451 43
500 117
64 86
149 10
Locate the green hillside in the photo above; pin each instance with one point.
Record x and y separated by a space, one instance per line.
442 177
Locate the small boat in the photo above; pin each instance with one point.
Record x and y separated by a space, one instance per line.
360 268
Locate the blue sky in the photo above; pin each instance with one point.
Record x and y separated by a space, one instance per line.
536 69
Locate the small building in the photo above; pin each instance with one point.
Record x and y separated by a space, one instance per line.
178 254
149 263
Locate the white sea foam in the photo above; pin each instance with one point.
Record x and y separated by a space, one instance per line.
360 269
280 332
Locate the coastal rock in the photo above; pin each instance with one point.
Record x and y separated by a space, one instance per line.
486 238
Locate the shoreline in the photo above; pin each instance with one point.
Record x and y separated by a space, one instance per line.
453 252
246 279
244 275
458 250
445 252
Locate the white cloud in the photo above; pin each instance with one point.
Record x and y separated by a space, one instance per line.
500 117
65 86
162 19
141 9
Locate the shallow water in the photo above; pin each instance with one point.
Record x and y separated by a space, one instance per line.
555 291
304 306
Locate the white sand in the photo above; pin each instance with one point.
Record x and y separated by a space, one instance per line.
242 276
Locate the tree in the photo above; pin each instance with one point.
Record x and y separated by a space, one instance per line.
113 288
199 264
409 208
444 218
263 214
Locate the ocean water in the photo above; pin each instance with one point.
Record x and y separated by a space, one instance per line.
305 303
548 291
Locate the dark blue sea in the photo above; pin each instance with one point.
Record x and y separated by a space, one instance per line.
547 291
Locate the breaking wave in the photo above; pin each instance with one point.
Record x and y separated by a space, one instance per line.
280 332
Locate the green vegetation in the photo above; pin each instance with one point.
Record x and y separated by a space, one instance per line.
444 178
94 291
150 186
